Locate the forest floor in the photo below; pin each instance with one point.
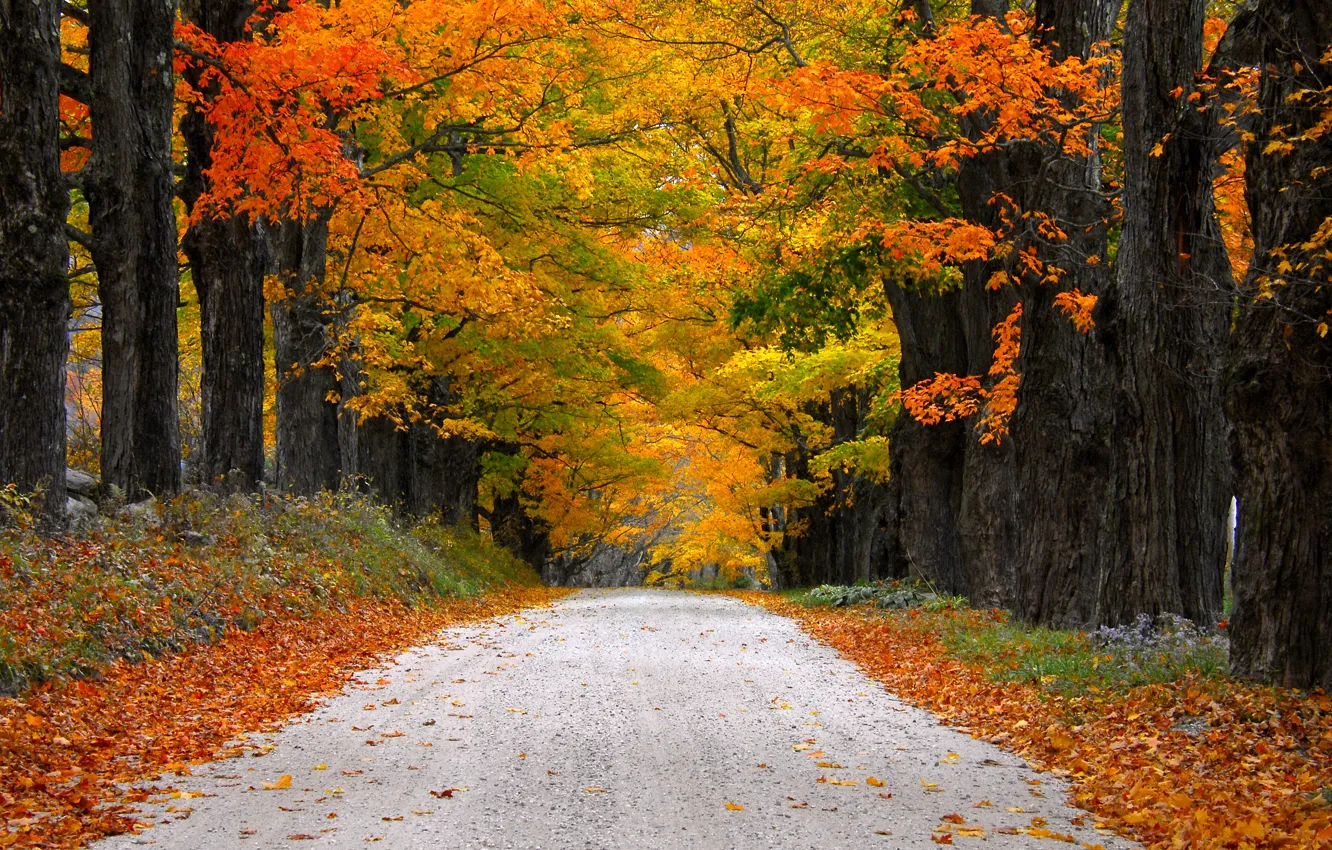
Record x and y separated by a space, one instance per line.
617 719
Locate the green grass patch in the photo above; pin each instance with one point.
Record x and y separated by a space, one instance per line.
185 571
1160 650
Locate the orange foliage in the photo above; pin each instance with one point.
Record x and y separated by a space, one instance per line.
1078 308
1255 780
66 749
946 397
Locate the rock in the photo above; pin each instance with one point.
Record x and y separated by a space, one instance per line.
194 538
79 510
80 483
145 511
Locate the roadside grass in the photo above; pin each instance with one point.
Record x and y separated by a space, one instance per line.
140 584
158 637
1064 661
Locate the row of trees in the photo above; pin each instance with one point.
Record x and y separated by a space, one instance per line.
1013 299
1086 231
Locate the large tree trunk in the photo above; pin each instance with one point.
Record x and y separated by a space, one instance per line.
228 259
34 289
130 194
987 520
1062 431
309 457
1279 382
927 460
1174 288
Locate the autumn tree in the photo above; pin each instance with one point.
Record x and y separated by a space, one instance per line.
1171 316
34 289
131 189
1279 375
228 258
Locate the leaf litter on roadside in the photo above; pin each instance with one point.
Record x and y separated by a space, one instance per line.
75 755
1262 778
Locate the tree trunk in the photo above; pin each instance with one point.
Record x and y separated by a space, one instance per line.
34 257
130 195
309 456
1279 380
1174 288
1062 431
514 529
443 473
927 460
228 259
987 521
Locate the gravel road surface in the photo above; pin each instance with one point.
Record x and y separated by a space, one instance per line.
618 719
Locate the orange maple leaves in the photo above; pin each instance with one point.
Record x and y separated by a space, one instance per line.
71 754
1255 777
947 397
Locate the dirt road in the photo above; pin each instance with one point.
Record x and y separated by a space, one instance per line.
620 720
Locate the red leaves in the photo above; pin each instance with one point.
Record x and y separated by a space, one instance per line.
65 748
276 104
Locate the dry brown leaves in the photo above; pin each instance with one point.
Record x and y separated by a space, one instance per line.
1193 764
67 751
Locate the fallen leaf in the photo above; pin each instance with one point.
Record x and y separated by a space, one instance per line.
877 783
283 782
735 807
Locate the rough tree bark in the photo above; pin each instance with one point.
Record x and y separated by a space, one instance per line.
1174 291
34 256
1062 431
1279 378
228 259
309 457
927 460
130 192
